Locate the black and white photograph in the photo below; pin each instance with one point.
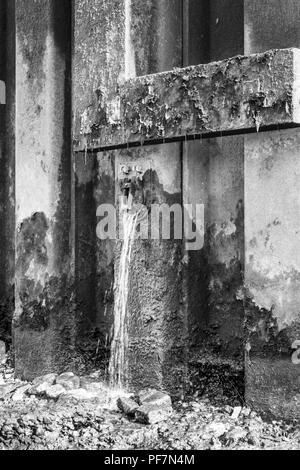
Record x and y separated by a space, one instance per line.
150 228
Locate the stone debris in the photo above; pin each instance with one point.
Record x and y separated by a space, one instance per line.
216 429
8 373
3 356
41 384
68 380
236 434
236 412
20 393
54 391
60 419
8 389
147 406
48 379
151 413
154 397
127 406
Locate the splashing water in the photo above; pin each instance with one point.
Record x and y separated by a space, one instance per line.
118 366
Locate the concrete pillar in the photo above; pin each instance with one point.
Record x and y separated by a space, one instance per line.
98 65
115 41
157 349
44 321
4 318
7 173
272 227
213 171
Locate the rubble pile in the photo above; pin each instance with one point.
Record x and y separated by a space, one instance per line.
147 406
59 412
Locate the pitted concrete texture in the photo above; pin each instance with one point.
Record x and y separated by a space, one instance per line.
241 93
44 319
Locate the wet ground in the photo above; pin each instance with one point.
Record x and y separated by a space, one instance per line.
37 423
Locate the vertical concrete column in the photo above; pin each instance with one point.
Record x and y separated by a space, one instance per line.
213 176
8 169
158 336
7 201
44 320
115 41
98 67
272 234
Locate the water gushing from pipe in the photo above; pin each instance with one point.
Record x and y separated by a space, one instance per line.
118 365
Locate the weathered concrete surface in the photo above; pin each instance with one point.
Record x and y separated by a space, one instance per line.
7 201
226 28
118 40
241 93
214 275
272 271
272 302
44 321
157 329
98 64
131 32
213 174
271 24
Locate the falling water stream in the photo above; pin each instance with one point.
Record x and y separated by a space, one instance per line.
118 367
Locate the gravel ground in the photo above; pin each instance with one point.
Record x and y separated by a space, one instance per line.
69 423
39 424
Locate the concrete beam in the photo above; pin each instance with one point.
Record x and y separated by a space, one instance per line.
241 94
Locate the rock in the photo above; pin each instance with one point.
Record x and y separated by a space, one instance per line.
154 397
215 444
127 405
228 409
95 375
151 413
68 380
20 393
48 379
217 429
41 384
236 434
7 389
236 412
8 375
54 391
38 390
155 406
253 439
3 356
246 412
